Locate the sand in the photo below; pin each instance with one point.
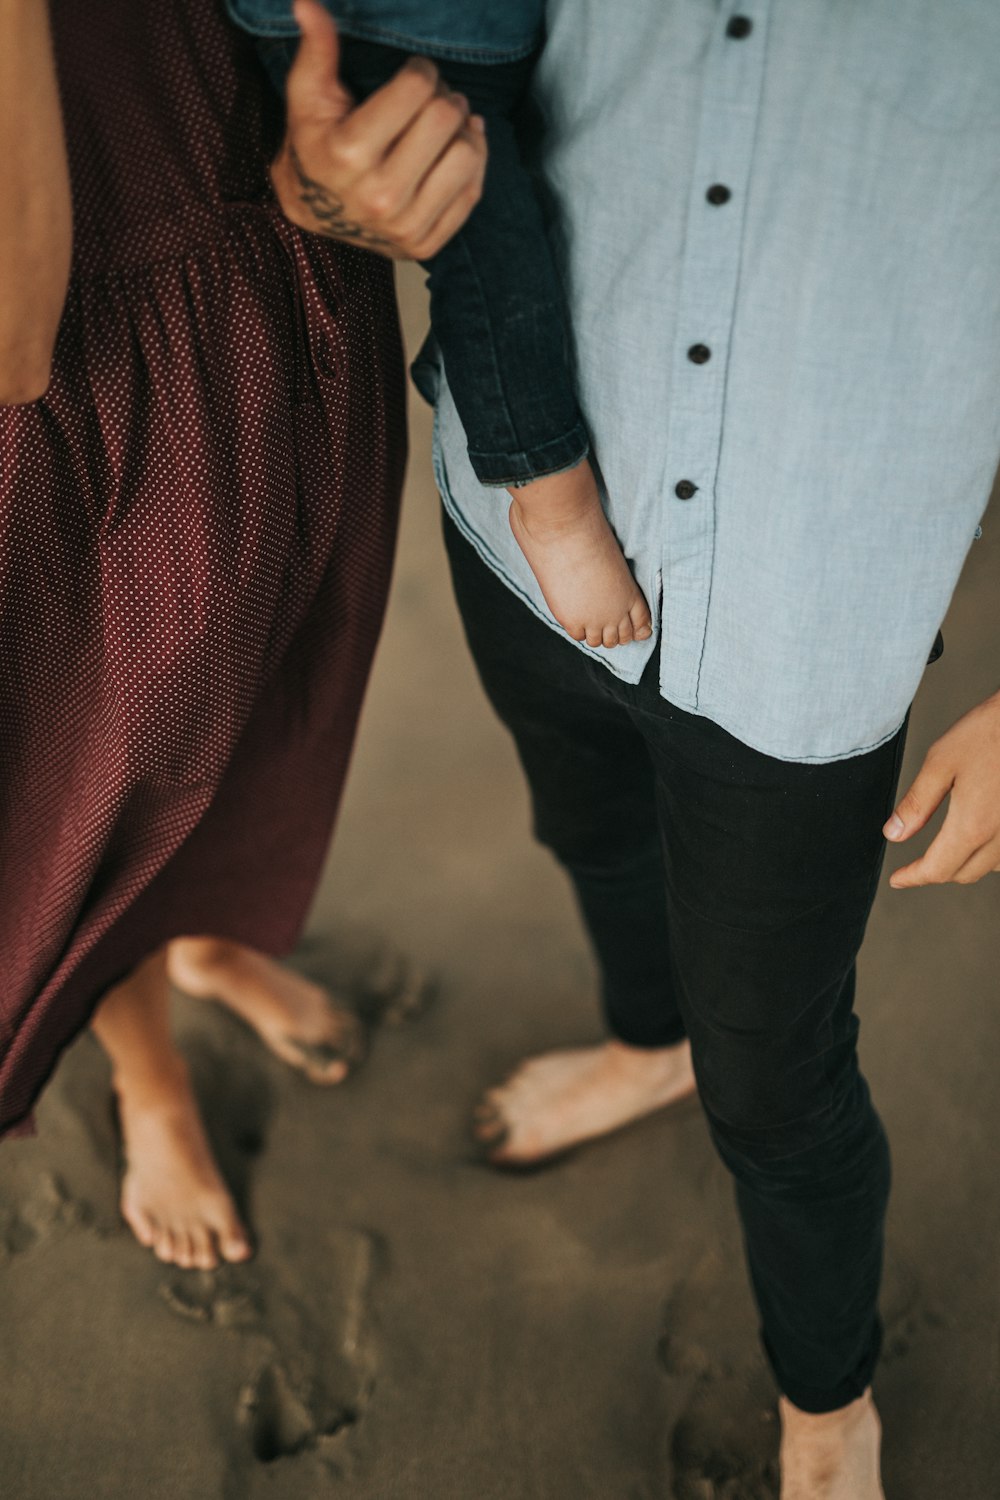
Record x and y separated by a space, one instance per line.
414 1328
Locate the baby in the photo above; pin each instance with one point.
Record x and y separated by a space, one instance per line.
496 303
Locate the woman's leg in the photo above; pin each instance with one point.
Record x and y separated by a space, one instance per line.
296 1019
173 1196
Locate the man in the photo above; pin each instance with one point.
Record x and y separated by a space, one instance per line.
778 226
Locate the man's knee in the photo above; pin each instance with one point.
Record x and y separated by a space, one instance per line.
792 1130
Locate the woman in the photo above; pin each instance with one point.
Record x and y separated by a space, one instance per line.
197 514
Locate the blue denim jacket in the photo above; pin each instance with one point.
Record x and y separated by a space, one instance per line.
465 30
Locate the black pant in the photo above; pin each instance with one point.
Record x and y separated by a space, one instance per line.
726 894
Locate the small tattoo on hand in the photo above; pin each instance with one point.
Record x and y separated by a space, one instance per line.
328 210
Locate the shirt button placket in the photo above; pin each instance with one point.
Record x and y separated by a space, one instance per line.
707 300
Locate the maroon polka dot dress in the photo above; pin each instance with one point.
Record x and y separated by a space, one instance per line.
196 533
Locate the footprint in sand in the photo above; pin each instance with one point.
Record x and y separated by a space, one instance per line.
280 1422
907 1314
316 1378
48 1209
306 1316
725 1444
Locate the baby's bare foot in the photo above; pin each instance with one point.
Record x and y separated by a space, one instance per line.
173 1197
833 1456
557 1101
559 524
297 1019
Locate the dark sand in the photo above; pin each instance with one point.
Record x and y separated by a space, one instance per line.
414 1328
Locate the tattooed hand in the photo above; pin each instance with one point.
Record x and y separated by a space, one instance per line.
399 173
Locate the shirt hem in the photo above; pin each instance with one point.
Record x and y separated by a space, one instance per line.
752 742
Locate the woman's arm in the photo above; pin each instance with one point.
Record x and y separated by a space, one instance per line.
35 211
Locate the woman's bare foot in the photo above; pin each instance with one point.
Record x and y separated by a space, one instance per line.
561 1099
834 1456
297 1019
172 1197
559 524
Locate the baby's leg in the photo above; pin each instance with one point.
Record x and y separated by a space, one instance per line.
497 313
560 526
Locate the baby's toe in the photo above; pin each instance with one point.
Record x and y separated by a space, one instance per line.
609 636
624 631
642 621
595 637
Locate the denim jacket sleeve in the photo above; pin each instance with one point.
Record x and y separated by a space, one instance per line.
462 30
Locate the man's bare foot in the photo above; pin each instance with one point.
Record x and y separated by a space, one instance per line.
297 1019
833 1456
559 524
172 1196
561 1099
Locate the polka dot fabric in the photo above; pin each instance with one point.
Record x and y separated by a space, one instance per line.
196 533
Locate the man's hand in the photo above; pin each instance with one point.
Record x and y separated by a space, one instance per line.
966 763
399 173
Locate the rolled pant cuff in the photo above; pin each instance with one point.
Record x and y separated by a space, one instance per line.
817 1401
649 1040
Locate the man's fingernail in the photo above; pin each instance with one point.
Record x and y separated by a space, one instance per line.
894 828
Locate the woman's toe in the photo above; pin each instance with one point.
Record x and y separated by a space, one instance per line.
233 1240
203 1251
322 1062
235 1249
142 1224
331 1059
164 1247
184 1245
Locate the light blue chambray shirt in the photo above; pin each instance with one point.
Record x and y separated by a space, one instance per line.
844 432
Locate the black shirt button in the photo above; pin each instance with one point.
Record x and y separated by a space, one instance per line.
699 354
718 193
739 27
685 490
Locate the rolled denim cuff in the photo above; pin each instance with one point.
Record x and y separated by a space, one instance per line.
512 470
